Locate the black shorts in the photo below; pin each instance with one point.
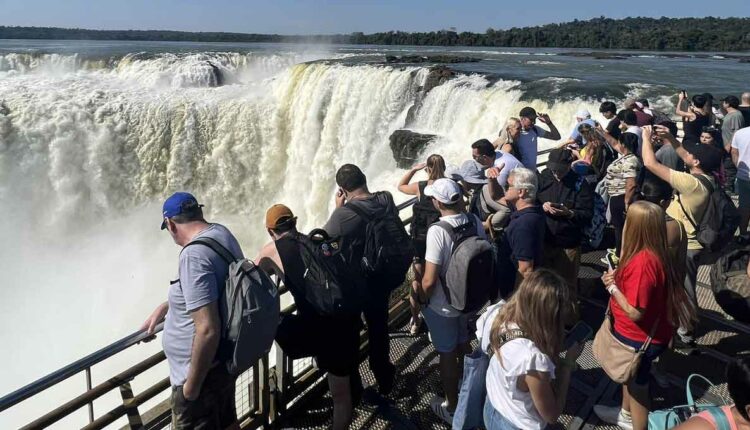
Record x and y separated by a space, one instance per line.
334 342
213 409
421 249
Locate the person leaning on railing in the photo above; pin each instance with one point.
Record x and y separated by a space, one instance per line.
202 392
332 340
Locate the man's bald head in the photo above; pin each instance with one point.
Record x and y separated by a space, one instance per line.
745 99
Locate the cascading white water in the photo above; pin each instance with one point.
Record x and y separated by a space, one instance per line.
89 149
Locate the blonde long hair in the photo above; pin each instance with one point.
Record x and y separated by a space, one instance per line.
646 229
539 308
506 139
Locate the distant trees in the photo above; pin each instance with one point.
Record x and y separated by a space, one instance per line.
679 34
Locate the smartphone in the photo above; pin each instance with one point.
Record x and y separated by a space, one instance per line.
557 205
581 332
611 262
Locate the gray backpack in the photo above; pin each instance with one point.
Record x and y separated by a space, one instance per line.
249 308
469 282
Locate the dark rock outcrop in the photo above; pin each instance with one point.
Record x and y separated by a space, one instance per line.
438 76
218 76
418 59
406 146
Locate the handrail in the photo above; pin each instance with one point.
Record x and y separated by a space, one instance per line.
74 368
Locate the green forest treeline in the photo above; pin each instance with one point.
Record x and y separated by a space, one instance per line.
679 34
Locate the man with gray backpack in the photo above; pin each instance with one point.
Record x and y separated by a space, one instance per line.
457 282
208 340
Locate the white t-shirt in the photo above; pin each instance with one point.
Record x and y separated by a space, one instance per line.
519 357
638 132
438 251
741 142
484 324
509 163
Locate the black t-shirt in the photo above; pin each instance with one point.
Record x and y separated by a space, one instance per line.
746 114
613 128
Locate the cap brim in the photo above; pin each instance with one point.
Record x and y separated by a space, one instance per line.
429 191
476 181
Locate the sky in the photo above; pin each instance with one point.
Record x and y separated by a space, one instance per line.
329 17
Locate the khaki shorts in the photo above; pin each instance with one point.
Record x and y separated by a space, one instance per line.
213 409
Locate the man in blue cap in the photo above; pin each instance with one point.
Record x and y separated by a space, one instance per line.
202 392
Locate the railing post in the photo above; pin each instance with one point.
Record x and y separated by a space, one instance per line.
88 388
278 397
265 391
134 417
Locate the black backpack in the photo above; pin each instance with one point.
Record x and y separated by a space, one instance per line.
424 215
387 250
720 219
731 285
331 286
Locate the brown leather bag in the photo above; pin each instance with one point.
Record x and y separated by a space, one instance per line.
618 360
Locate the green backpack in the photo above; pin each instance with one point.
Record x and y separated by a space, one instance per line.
667 418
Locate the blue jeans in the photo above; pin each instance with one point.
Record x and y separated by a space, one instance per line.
493 420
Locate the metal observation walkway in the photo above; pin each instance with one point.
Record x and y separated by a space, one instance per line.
292 394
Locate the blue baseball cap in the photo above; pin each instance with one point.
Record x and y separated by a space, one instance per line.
175 204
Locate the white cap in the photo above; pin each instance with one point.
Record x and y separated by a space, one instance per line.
444 190
583 113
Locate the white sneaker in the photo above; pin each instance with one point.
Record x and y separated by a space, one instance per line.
613 415
440 408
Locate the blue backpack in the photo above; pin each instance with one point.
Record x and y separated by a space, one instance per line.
667 418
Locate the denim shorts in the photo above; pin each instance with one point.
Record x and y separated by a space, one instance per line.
653 351
742 187
493 420
446 333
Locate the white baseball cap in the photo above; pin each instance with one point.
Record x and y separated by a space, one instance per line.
583 113
444 190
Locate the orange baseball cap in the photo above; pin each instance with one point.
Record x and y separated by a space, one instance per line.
277 215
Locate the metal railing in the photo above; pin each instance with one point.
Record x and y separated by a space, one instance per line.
270 390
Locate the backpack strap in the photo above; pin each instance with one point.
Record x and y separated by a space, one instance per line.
357 210
457 234
216 247
706 183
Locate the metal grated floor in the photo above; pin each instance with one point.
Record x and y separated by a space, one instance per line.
418 380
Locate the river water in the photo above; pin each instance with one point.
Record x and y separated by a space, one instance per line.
94 135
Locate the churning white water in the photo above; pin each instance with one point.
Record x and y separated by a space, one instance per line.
90 148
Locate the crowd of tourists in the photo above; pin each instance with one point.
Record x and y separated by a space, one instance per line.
492 252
